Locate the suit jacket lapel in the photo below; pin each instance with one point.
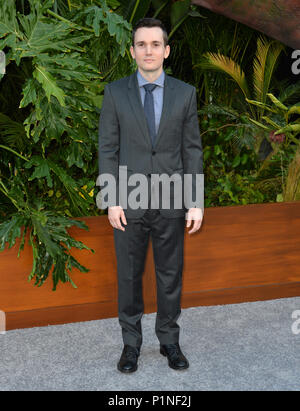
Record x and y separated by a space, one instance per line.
138 109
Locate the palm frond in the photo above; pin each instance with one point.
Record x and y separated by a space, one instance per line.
219 62
264 63
290 93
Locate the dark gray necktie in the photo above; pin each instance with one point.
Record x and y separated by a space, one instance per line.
149 109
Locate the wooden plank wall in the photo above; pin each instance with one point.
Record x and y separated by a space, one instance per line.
241 253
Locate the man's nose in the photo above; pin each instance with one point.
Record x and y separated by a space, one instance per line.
148 49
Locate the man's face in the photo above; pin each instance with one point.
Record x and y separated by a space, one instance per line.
149 51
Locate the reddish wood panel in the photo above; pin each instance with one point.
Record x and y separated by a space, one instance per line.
99 284
241 253
277 18
244 246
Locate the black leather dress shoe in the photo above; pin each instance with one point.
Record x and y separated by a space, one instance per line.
176 359
129 358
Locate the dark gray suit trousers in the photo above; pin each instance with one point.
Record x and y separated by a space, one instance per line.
167 236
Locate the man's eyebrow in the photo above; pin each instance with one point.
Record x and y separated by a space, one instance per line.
154 41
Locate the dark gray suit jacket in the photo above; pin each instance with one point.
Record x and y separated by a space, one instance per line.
124 139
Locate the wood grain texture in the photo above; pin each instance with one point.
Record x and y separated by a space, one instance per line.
241 253
278 19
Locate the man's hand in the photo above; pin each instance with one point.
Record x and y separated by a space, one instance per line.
116 213
195 214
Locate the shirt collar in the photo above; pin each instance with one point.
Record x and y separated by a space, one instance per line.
159 81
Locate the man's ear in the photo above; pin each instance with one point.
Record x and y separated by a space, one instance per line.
132 52
167 51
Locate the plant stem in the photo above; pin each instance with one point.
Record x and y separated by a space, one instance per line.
160 9
177 25
4 191
13 151
57 16
134 10
219 128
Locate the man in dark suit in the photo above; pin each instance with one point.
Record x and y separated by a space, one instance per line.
148 127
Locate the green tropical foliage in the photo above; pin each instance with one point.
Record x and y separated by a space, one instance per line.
254 123
283 125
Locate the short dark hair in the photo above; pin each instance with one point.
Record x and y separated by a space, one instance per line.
150 22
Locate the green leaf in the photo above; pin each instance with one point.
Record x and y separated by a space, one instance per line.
29 93
261 105
244 158
257 123
179 9
195 13
277 102
217 149
294 109
40 229
279 198
116 25
236 161
49 84
10 230
41 170
271 122
34 255
289 128
80 204
74 155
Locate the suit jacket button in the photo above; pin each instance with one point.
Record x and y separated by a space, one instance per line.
153 152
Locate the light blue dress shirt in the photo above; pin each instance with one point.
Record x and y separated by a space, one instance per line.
158 94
